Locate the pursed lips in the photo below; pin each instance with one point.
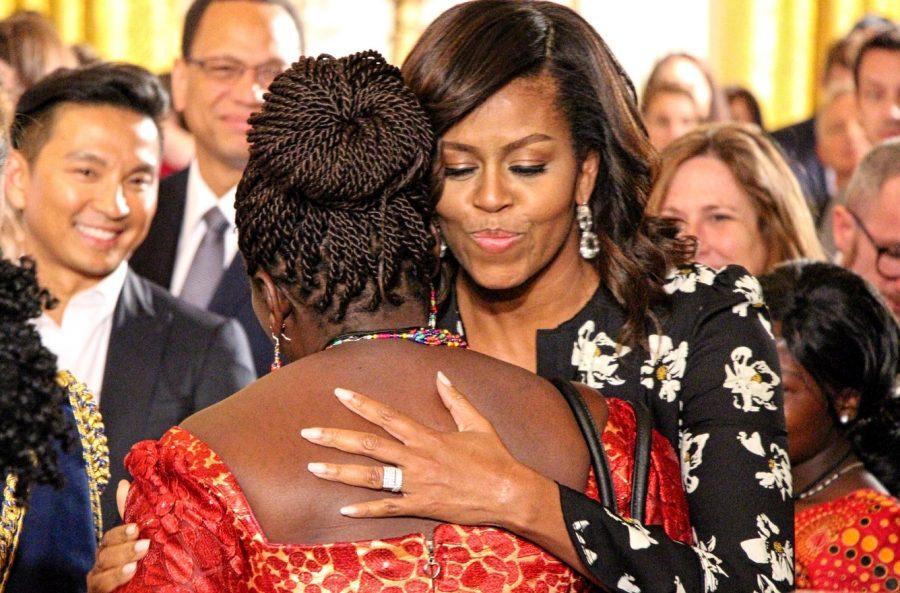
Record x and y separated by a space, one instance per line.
496 240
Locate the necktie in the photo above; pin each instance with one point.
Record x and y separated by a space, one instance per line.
209 261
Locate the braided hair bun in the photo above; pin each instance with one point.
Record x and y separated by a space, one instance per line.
334 198
340 132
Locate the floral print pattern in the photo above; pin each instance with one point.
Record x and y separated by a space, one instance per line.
766 548
665 366
596 357
751 381
708 373
778 475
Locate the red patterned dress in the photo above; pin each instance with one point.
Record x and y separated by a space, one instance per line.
204 537
850 544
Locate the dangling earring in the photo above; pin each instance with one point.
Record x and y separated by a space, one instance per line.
442 250
276 359
589 246
844 418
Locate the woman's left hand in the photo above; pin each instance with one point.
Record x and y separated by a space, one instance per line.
466 477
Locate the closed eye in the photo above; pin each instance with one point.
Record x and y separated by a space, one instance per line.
528 170
458 172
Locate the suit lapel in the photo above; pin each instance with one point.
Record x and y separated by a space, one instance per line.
136 346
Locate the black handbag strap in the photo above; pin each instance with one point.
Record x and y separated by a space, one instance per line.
641 470
594 445
640 476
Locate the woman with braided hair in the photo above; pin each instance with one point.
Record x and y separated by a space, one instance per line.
335 221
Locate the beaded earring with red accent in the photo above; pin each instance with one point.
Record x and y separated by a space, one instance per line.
276 359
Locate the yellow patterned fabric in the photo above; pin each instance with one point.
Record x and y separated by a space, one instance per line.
11 515
93 442
96 461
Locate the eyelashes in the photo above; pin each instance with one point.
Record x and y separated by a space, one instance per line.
520 170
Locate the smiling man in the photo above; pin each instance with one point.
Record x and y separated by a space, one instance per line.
83 177
231 51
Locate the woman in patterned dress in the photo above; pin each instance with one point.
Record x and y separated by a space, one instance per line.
840 359
335 221
608 299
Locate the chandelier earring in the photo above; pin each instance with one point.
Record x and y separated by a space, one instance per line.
276 358
589 245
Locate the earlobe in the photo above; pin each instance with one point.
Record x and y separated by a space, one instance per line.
16 180
846 404
842 230
587 178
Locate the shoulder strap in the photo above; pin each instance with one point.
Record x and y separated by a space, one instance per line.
640 474
594 444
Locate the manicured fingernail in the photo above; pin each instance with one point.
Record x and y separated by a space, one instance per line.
443 379
129 568
141 545
317 468
311 434
343 394
349 511
131 529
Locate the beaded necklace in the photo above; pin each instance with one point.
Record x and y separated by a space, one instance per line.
429 336
825 480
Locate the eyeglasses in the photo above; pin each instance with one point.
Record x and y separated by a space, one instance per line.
887 259
230 70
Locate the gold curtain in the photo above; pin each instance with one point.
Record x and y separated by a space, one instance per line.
146 32
776 48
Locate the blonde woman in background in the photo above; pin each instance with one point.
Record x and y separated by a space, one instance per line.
732 190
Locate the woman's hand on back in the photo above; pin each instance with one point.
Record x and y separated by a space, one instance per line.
466 477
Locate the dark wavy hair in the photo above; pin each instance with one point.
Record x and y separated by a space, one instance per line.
839 329
32 420
474 49
334 201
118 85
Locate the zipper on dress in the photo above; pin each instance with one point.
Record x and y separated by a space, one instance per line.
431 569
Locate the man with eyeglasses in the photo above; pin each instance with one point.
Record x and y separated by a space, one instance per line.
866 224
231 52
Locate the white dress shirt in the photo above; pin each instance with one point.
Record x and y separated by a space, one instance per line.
200 198
81 342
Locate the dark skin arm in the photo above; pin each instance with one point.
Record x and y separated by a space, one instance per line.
119 552
444 487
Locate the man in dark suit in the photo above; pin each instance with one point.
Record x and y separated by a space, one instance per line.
231 51
83 178
799 140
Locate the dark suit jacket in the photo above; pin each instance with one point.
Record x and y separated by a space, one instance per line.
155 260
799 143
166 360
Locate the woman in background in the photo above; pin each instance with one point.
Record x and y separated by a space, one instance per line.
30 49
743 106
839 348
669 112
729 187
691 72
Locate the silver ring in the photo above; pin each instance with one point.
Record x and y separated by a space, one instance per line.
392 479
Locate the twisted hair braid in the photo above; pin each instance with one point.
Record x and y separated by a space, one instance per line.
334 200
32 421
